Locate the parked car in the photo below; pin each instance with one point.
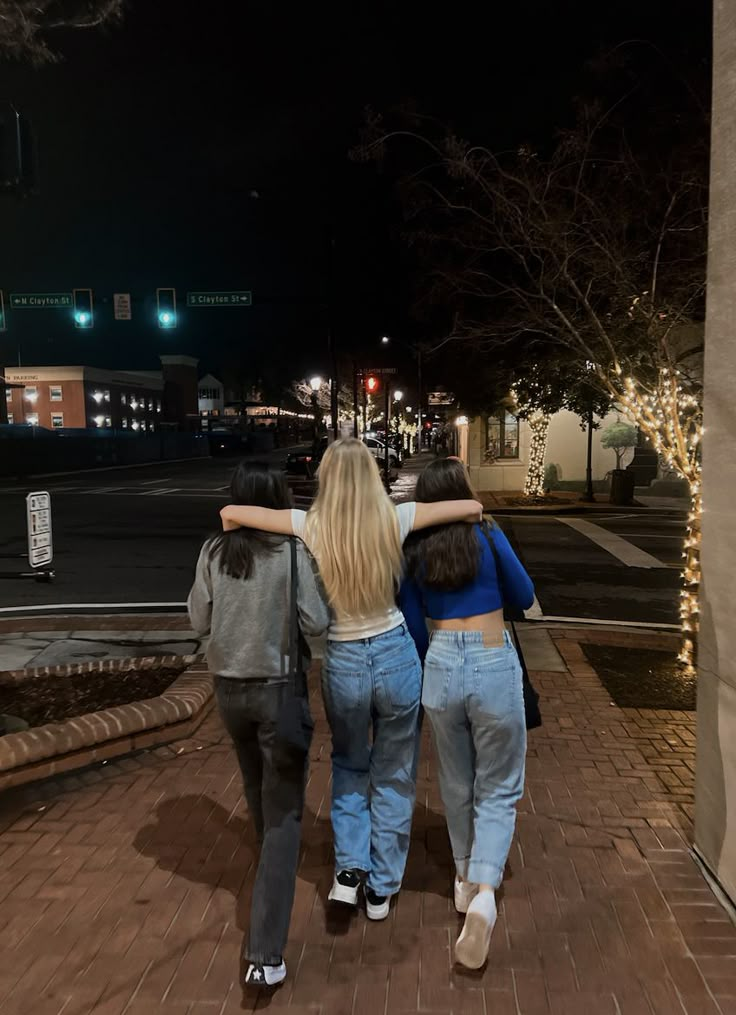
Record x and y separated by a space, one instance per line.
305 461
378 450
224 441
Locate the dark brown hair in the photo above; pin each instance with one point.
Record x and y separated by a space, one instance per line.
447 556
256 483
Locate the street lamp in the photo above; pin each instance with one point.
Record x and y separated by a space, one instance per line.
315 383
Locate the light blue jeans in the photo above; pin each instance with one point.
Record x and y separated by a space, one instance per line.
474 699
372 689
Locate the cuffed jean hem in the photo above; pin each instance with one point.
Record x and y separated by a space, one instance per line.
482 873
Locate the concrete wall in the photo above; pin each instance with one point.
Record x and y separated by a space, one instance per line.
715 787
566 448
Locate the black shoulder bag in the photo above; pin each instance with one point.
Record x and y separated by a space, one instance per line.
295 725
531 696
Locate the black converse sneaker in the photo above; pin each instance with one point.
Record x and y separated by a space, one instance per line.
376 906
345 887
265 976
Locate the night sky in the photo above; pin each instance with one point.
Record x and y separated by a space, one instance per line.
154 136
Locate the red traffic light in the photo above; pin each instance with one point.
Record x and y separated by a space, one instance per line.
372 384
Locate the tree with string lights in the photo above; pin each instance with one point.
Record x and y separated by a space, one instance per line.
597 246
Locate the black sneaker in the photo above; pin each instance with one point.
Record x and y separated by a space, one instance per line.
265 976
376 906
345 887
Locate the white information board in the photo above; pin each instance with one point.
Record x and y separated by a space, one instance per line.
38 510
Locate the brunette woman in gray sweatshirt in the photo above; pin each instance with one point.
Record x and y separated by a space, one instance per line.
241 599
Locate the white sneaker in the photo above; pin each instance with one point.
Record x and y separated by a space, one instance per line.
465 892
345 887
471 949
265 976
376 906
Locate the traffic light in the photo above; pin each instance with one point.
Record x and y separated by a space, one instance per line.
166 308
3 324
83 308
372 384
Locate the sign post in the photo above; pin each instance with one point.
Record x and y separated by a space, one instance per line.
38 512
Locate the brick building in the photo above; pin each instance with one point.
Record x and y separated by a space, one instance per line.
87 397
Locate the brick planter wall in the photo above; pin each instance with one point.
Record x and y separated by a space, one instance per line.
75 743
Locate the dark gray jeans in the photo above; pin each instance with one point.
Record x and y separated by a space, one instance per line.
274 777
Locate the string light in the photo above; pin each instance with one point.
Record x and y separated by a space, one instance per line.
539 426
672 420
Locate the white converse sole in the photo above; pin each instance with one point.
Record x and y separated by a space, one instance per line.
265 976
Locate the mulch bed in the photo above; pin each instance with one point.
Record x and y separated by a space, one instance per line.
49 699
642 677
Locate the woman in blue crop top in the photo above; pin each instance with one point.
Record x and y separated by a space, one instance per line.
472 693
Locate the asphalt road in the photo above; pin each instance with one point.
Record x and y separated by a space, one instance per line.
131 536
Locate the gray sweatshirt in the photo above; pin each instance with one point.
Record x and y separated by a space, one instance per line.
248 620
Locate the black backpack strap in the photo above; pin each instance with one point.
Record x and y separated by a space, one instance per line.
295 648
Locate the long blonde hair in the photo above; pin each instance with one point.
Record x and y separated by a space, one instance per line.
354 532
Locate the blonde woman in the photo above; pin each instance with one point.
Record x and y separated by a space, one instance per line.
371 677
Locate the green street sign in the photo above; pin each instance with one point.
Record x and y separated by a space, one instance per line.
41 301
224 299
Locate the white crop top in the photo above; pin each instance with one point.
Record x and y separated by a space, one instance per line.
347 628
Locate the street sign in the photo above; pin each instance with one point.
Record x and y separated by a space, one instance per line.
224 299
382 370
121 303
38 512
41 301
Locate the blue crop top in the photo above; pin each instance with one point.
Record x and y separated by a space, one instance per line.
482 595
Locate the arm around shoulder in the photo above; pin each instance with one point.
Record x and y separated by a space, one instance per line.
249 517
446 511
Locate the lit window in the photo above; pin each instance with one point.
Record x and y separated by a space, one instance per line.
124 423
8 395
32 418
158 405
502 437
31 393
57 420
10 418
99 420
98 396
55 393
108 422
135 425
123 399
107 396
133 403
150 405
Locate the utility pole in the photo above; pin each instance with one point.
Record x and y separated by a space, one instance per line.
588 496
355 400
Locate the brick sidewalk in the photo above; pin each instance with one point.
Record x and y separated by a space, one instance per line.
118 887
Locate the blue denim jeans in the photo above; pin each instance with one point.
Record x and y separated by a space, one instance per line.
372 690
475 703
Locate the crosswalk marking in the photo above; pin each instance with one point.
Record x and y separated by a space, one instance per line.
614 544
